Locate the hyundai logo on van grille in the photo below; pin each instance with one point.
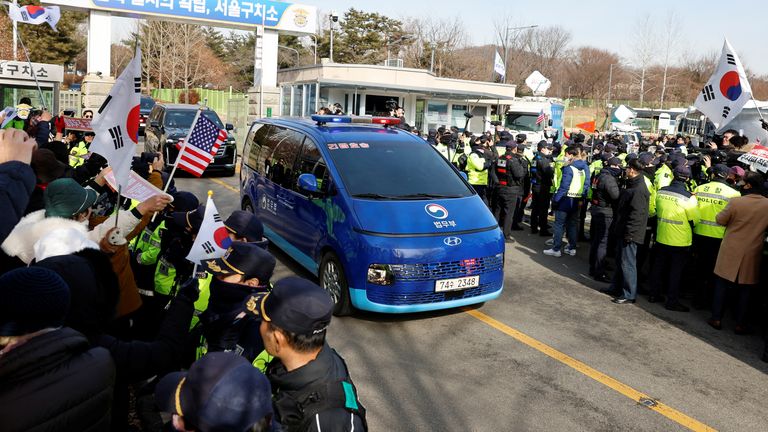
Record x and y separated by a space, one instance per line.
452 241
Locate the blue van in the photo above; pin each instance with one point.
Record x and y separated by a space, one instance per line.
383 220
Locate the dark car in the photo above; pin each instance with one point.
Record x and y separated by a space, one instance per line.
145 107
168 125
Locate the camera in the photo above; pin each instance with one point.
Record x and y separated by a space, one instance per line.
334 16
495 123
469 116
391 105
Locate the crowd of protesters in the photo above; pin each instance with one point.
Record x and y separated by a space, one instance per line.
678 222
102 315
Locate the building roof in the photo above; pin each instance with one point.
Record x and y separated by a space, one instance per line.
405 80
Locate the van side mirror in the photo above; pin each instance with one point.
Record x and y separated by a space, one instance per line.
549 122
308 183
229 126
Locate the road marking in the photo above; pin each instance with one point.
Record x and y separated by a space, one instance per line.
596 375
221 183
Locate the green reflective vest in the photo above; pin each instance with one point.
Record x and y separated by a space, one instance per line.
594 170
201 305
673 213
652 201
477 174
663 177
262 361
712 198
148 245
557 164
165 277
77 154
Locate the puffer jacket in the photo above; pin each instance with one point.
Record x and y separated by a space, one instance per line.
56 382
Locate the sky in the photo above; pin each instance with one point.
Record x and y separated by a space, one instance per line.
603 24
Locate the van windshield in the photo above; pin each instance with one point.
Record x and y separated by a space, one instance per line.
522 122
182 119
391 169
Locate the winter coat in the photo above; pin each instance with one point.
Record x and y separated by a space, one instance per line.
17 181
544 174
92 282
631 216
746 221
606 192
34 226
560 198
287 387
56 382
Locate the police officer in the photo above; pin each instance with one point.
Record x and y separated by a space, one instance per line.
244 270
522 149
510 173
542 173
712 198
77 153
676 214
605 195
477 168
663 176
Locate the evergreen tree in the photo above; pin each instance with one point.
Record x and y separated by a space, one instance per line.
48 46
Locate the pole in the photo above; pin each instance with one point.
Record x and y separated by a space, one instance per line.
610 79
117 212
15 40
261 64
330 20
432 60
34 75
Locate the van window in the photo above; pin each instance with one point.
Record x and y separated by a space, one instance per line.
386 168
253 145
312 162
285 145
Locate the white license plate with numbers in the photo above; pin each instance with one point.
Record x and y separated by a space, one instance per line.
457 283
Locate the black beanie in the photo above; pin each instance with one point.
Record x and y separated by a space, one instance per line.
34 298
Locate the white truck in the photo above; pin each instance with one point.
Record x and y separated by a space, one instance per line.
522 113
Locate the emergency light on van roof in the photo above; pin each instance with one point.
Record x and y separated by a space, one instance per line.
386 121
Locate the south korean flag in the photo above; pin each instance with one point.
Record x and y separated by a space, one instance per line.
724 95
213 239
116 124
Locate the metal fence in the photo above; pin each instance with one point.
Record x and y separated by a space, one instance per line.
218 100
237 114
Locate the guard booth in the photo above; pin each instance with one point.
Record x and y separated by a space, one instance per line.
17 81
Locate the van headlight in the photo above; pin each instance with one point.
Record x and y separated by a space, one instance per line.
380 274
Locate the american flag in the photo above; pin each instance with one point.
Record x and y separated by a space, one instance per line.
541 117
204 141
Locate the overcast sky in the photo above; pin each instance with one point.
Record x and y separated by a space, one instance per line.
604 24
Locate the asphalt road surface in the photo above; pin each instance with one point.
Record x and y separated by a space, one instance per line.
551 354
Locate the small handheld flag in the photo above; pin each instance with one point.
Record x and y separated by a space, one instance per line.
213 239
117 122
724 95
201 146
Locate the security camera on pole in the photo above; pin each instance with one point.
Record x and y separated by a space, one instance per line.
334 17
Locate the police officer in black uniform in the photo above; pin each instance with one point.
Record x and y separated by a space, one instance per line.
510 173
520 139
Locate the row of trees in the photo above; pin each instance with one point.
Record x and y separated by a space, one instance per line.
653 69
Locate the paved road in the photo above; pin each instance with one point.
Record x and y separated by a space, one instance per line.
552 353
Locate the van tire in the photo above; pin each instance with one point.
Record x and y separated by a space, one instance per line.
247 206
334 282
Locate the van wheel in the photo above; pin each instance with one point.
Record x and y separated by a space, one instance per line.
247 206
334 282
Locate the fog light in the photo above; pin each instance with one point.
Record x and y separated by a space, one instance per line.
380 274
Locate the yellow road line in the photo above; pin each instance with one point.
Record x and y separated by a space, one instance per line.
221 183
596 375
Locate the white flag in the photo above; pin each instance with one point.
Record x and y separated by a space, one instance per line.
116 124
726 92
213 239
35 14
498 65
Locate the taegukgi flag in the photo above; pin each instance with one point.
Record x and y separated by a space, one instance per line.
34 14
213 239
116 124
498 65
726 92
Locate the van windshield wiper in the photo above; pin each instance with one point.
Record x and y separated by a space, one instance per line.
426 195
374 196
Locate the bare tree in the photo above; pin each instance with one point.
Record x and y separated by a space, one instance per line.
669 45
644 46
434 43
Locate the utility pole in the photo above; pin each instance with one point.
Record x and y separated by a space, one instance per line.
506 46
610 79
432 60
332 18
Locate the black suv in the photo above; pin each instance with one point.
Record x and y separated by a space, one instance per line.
169 123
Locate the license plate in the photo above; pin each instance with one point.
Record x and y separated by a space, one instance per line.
457 283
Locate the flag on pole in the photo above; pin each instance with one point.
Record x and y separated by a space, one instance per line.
541 117
213 239
34 14
116 124
197 151
726 92
498 65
